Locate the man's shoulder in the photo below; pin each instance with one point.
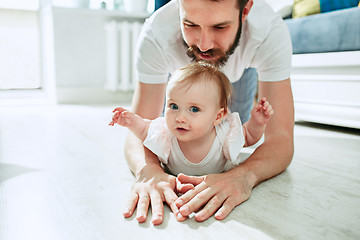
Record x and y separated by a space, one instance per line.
261 19
164 24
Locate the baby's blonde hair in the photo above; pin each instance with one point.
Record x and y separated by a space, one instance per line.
206 72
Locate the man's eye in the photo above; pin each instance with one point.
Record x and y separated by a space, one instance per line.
173 106
187 25
194 109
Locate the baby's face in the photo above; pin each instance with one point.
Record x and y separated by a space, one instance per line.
191 110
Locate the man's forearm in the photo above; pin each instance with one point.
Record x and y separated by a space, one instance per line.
275 154
269 159
137 156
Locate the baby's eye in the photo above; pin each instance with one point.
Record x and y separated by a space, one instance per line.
194 109
173 106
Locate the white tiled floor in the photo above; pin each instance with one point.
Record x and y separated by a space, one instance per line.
63 176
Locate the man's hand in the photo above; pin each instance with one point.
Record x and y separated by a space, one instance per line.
220 192
154 187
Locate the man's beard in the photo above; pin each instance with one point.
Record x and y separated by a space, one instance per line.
193 50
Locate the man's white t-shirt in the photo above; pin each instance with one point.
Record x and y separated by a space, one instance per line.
265 44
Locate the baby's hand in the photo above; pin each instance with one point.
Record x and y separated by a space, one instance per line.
262 111
122 117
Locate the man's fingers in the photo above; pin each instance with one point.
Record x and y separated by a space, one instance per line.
157 207
131 205
226 208
210 208
195 199
183 188
142 208
170 198
189 195
198 182
190 179
186 183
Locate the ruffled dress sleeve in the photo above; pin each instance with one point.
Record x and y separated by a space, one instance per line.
158 139
230 133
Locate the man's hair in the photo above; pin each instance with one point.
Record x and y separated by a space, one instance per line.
241 3
206 72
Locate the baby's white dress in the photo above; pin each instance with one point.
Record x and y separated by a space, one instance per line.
223 155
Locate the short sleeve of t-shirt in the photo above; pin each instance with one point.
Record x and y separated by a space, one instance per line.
150 69
160 49
273 57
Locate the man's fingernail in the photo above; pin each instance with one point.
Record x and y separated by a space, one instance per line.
156 219
185 210
127 212
179 202
219 214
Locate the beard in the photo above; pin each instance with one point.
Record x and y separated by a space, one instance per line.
193 51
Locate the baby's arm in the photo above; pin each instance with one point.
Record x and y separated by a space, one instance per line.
133 122
255 127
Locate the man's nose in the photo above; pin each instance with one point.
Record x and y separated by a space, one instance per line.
205 40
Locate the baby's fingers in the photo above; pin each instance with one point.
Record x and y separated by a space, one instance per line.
269 111
119 109
262 100
265 105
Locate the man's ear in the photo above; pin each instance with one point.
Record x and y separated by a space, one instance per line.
220 116
246 10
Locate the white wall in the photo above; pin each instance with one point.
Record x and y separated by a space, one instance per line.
80 53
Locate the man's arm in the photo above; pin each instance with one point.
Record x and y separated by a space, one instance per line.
222 192
147 102
276 153
153 186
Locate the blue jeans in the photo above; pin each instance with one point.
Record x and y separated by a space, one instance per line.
244 92
160 3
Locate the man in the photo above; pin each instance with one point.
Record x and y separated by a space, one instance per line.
238 36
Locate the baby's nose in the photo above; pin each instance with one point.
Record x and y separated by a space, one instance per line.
181 118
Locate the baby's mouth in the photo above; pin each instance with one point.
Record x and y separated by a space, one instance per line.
181 130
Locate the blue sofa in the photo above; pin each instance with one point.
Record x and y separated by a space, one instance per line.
334 31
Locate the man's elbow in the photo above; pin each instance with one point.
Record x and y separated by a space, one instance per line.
283 142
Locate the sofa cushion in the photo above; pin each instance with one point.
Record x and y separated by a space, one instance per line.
327 32
303 8
332 5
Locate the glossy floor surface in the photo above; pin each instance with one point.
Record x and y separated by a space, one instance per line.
63 176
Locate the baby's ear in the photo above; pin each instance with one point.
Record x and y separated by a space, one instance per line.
220 116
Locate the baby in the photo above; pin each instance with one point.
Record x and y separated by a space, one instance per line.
198 134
